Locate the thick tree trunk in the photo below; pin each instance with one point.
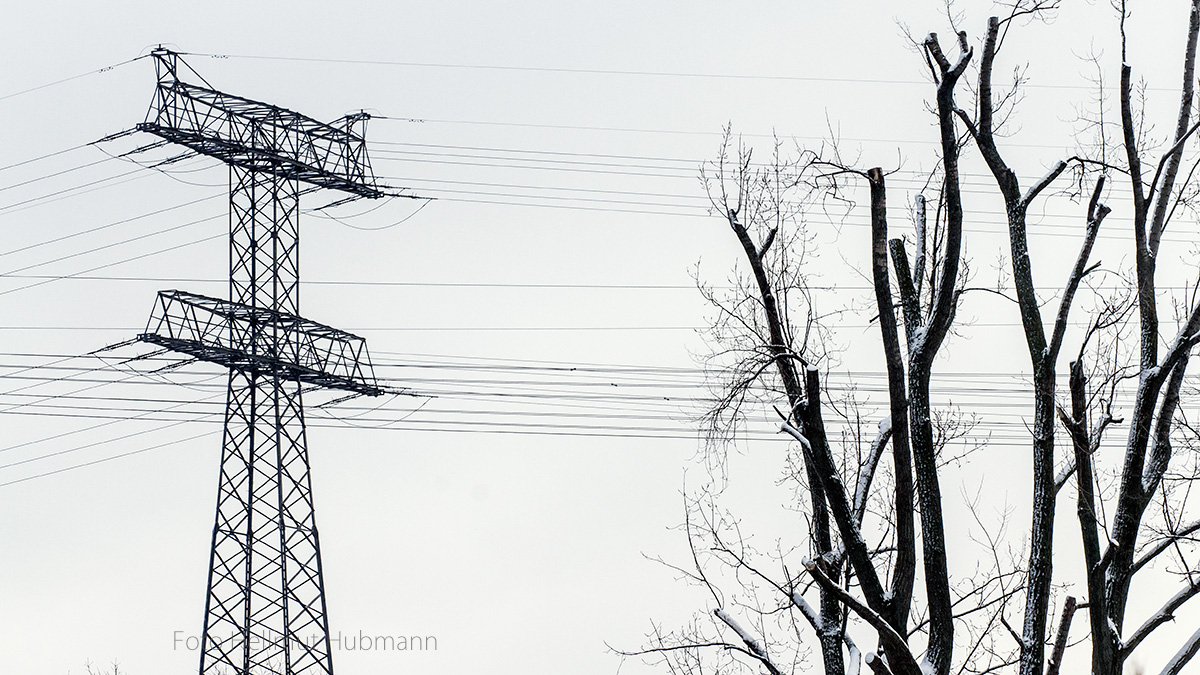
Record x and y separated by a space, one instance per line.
922 349
905 568
1135 491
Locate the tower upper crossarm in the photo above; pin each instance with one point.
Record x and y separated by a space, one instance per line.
259 136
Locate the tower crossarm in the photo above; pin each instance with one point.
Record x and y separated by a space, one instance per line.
258 340
259 136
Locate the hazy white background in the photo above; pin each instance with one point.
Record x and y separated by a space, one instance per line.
519 552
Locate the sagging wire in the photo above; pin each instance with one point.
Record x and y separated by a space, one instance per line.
426 201
348 419
158 165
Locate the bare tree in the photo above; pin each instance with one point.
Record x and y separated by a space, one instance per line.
92 669
1043 349
866 515
757 203
1153 418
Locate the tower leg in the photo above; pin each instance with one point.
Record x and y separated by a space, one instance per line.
265 610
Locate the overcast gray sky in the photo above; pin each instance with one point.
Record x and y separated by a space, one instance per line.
510 510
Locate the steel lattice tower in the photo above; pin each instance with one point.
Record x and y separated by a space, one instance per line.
265 609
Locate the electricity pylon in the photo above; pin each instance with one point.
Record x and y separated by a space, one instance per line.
265 610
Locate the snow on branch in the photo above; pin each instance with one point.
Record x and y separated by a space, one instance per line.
755 647
1164 614
1185 654
888 637
867 472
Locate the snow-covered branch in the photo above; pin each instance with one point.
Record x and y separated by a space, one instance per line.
1183 656
904 663
866 473
1163 615
756 648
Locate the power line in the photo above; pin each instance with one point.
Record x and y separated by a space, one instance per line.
556 198
402 284
640 174
577 203
484 426
102 460
90 445
98 228
644 212
105 247
553 188
476 284
683 132
45 156
10 208
114 264
620 72
55 174
691 162
538 160
553 69
622 422
98 71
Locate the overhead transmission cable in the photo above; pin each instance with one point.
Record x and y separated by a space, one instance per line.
535 428
118 262
98 71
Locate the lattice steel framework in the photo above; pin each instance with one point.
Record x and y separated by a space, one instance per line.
265 609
